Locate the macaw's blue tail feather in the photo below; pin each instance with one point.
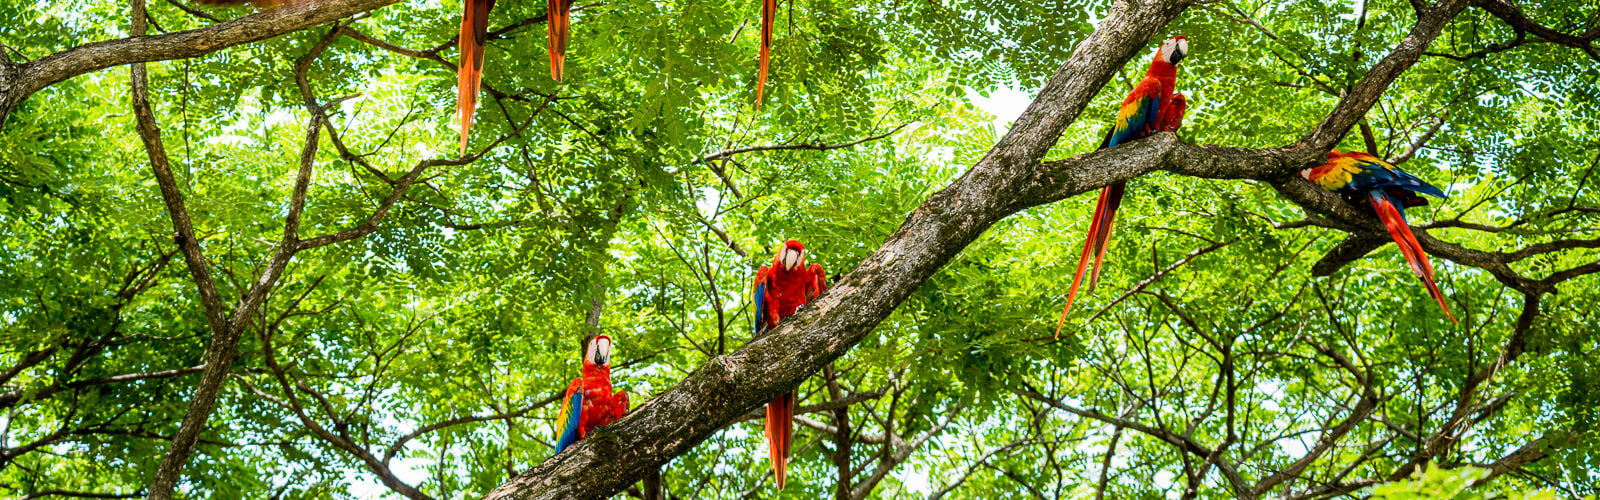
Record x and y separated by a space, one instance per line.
1105 213
1395 220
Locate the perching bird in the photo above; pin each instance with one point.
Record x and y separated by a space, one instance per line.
590 402
469 69
1151 107
1366 181
558 14
769 13
780 289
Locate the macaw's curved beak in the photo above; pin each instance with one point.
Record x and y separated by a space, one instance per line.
792 256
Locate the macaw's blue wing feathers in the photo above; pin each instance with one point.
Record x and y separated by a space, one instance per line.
760 301
567 421
1378 174
1137 116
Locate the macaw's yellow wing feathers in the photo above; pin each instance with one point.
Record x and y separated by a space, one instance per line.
469 69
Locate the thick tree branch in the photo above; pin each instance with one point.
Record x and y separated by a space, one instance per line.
1508 12
22 80
1531 452
14 397
1350 250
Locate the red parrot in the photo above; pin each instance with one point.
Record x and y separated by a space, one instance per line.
1366 181
780 289
559 16
1151 107
769 13
590 402
469 69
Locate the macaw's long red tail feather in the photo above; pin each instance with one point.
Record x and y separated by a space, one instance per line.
1395 221
469 69
558 17
780 418
1105 212
769 14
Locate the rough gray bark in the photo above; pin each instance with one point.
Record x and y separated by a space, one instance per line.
20 80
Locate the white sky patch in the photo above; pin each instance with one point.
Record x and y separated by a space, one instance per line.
1006 103
365 485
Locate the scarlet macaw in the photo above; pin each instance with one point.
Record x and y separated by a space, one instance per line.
780 289
559 16
469 69
769 13
1151 107
1366 181
590 402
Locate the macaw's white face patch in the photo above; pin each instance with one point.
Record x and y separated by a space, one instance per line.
600 350
1175 49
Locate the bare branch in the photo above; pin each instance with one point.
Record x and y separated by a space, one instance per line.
728 153
1513 16
45 71
1182 442
1438 122
79 494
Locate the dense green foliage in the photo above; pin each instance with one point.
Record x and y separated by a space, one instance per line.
596 212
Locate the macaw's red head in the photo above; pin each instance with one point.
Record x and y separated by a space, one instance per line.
791 256
1173 50
599 353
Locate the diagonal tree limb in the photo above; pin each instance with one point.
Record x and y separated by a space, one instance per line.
1449 432
1513 16
1353 248
18 81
